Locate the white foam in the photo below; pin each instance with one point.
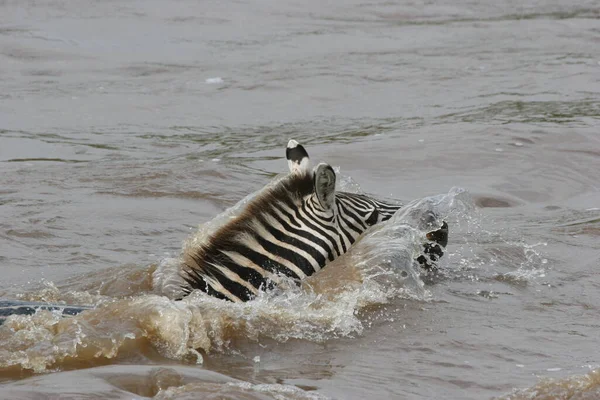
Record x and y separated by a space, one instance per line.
213 81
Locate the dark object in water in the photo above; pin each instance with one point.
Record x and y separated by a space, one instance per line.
17 307
432 251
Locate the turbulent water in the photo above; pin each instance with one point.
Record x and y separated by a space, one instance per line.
127 128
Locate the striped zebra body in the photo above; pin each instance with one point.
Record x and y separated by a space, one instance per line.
292 229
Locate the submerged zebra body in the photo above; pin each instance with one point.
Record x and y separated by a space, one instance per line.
292 229
18 307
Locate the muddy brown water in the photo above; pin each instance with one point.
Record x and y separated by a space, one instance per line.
125 125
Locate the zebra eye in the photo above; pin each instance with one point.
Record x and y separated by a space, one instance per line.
373 218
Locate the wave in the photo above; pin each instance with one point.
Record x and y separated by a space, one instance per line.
135 316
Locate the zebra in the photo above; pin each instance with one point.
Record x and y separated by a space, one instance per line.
292 229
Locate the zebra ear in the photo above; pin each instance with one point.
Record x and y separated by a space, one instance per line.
325 185
297 157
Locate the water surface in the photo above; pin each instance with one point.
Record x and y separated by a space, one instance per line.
117 141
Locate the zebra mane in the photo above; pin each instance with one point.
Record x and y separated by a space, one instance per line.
289 190
201 260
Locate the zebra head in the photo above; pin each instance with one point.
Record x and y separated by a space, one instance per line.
292 228
347 214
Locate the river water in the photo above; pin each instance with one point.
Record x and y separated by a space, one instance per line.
124 125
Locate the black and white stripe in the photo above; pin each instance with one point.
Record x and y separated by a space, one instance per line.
292 229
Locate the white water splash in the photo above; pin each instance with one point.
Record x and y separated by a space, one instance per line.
378 268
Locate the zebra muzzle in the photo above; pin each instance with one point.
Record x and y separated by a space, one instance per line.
435 250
